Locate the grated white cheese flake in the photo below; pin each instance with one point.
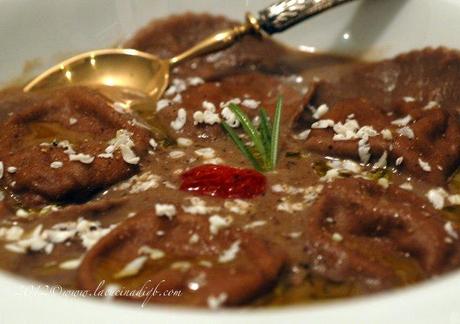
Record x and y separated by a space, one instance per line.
345 166
177 98
216 223
132 268
345 131
83 158
406 131
386 134
382 162
70 264
177 86
337 237
401 122
90 232
162 104
206 153
289 207
215 302
22 213
250 103
366 132
140 183
125 144
56 165
180 120
302 135
230 254
449 228
184 142
278 188
364 150
176 154
230 117
208 116
12 169
237 206
181 266
424 165
194 81
153 143
352 166
154 254
128 155
437 197
431 105
235 101
194 238
320 111
408 99
255 224
323 123
406 186
198 206
2 169
207 105
34 242
216 160
295 235
165 210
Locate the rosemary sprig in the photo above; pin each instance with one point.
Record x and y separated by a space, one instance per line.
264 154
276 132
265 130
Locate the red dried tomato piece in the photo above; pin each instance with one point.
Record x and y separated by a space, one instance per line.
223 181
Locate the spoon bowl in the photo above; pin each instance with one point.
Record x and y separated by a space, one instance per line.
144 72
127 68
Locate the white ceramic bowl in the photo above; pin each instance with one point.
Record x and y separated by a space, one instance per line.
35 34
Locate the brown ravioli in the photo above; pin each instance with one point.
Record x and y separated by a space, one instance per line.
240 86
77 115
172 36
426 75
360 232
190 263
436 137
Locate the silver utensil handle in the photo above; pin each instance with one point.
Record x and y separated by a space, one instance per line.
286 13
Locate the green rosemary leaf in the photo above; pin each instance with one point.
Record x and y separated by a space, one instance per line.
251 131
246 152
276 132
265 131
264 154
265 121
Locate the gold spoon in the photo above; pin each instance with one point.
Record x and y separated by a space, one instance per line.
144 72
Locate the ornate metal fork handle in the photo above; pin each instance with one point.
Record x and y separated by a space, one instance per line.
284 14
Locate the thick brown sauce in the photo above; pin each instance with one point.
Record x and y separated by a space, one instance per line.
296 168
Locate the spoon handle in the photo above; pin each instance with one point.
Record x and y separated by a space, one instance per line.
217 41
286 13
273 19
